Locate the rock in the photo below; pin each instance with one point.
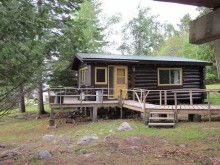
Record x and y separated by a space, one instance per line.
110 130
42 154
63 138
124 127
182 145
2 145
10 154
87 139
88 155
134 147
55 142
48 138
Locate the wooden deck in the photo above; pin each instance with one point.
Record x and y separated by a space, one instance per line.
136 103
183 109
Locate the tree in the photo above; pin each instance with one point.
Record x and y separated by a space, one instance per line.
83 33
26 39
142 35
184 24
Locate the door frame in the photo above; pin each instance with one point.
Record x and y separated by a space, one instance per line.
115 78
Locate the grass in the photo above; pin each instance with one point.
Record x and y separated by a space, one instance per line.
202 139
215 99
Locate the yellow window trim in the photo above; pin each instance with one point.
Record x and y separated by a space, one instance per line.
105 82
158 77
80 75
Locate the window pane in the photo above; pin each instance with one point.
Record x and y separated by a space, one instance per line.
164 76
100 75
175 76
121 80
120 72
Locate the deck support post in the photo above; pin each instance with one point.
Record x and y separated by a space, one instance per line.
52 119
209 105
94 114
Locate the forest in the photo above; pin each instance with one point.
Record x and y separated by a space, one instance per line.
38 39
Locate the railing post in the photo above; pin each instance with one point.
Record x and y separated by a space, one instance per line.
81 101
190 97
141 95
165 97
102 98
175 100
209 105
120 103
144 110
133 95
160 97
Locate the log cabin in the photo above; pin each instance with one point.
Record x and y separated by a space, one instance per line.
143 72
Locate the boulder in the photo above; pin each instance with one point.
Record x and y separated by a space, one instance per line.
48 138
2 145
63 138
42 154
87 139
124 127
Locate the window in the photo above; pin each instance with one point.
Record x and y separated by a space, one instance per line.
100 75
120 76
83 76
169 76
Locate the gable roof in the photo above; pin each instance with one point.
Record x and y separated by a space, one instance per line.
104 58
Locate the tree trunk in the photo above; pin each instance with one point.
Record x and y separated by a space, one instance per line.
21 99
40 99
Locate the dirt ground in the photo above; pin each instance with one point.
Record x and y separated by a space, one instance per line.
110 148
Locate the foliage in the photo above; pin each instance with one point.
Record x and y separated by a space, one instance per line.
178 45
142 35
26 39
82 33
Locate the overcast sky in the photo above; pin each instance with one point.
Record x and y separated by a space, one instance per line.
168 12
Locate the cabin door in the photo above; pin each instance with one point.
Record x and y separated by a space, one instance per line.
118 79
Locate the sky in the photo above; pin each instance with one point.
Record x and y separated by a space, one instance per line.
167 12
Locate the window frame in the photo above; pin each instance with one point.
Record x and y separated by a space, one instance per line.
181 76
102 83
83 80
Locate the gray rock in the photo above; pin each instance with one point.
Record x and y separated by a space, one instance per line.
48 138
88 155
134 147
63 138
42 154
2 145
55 142
124 127
182 145
87 139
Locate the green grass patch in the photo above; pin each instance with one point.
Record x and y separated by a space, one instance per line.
215 97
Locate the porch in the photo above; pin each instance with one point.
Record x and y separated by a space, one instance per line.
134 100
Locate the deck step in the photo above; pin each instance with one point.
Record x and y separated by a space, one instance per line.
161 124
165 113
161 118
